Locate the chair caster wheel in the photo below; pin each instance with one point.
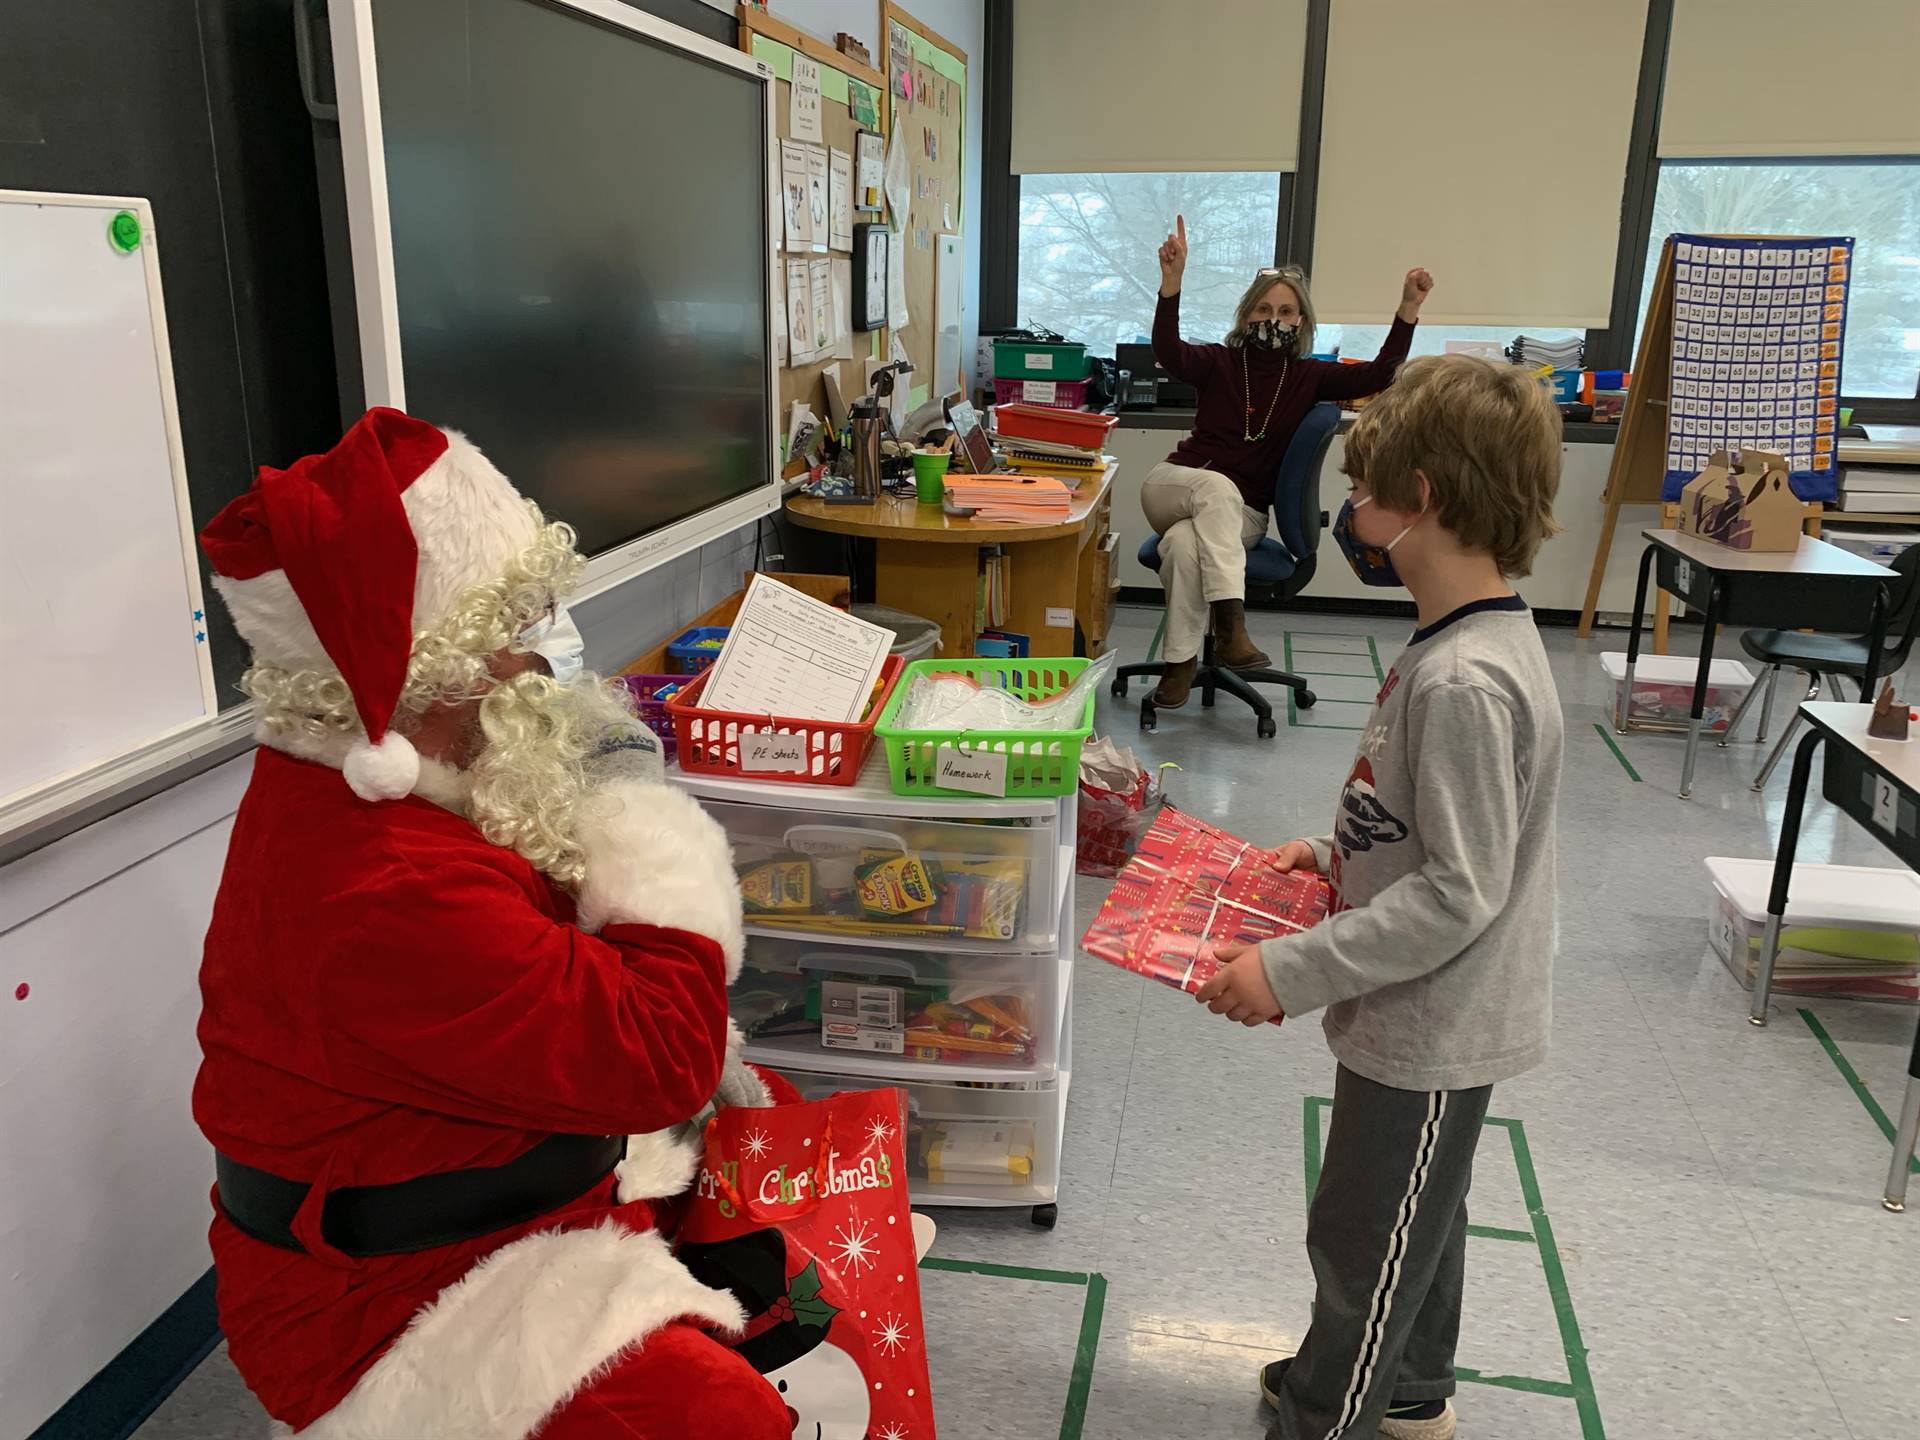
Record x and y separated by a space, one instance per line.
1118 689
1149 717
1265 727
1306 700
1046 1216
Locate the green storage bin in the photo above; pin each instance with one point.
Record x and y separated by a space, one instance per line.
1039 762
1030 360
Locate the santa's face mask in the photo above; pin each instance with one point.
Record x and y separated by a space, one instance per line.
556 639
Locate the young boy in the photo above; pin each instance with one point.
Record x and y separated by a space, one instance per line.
1435 967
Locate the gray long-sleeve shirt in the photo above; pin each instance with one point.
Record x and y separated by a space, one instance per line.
1436 967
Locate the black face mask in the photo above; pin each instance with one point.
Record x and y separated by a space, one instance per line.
1272 335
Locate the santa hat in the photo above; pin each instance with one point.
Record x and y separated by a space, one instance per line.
338 560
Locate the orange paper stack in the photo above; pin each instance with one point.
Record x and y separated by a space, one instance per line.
1031 500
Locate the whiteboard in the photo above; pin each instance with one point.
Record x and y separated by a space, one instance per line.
100 597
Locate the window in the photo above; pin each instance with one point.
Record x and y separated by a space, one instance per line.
1088 243
1875 201
1362 342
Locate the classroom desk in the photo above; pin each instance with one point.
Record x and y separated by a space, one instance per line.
1815 587
1876 783
926 562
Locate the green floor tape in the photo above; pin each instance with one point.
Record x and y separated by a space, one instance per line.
1579 1385
1852 1077
1074 1417
1632 774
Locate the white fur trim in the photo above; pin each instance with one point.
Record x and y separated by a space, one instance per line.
270 619
517 1335
387 771
468 521
654 857
659 1166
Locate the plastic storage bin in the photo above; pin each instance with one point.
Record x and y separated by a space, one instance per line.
1663 690
716 742
1035 762
839 1008
645 690
897 881
1035 360
1054 426
914 636
1060 394
690 654
1849 930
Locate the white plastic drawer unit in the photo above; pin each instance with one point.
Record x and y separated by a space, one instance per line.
971 1145
821 1005
993 884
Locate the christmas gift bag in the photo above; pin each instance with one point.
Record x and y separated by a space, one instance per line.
801 1212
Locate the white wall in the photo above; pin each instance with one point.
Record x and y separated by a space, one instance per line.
963 22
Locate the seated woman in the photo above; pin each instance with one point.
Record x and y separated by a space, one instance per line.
1208 500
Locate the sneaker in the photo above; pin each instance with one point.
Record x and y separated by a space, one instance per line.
1271 1376
1429 1420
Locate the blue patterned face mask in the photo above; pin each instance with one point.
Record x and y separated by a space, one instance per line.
556 639
1372 564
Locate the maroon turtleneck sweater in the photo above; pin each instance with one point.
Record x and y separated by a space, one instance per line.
1221 424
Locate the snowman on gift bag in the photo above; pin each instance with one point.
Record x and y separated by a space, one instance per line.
792 1335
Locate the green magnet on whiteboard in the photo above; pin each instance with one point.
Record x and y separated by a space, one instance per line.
123 231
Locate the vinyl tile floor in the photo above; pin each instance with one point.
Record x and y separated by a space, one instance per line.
1677 1222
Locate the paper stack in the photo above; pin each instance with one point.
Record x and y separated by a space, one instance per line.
1557 354
1879 481
1030 500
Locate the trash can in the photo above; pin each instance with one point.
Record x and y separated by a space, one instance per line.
914 638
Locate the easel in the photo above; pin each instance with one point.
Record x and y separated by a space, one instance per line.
1638 473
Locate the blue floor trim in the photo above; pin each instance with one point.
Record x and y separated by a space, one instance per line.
131 1386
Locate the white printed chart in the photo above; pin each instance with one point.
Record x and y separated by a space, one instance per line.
1759 327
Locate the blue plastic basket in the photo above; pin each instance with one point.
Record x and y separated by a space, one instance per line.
690 655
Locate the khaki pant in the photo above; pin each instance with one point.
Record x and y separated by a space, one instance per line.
1205 531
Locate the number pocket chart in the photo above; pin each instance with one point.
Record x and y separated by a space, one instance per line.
1759 328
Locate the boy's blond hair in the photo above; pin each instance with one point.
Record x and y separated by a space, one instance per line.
1487 437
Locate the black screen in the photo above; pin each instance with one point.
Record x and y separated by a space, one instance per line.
579 219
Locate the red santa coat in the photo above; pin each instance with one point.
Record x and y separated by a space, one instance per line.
387 995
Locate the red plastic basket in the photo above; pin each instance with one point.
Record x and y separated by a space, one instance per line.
653 713
710 741
1059 427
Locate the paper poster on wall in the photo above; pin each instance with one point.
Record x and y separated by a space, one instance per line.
899 180
897 316
803 117
869 170
863 102
778 309
899 68
820 301
817 193
799 313
840 200
842 309
793 195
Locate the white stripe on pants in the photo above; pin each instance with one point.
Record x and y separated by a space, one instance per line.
1205 531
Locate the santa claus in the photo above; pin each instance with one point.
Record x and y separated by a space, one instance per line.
465 984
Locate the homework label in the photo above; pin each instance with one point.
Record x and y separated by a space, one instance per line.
1037 360
1039 392
762 753
981 773
1059 617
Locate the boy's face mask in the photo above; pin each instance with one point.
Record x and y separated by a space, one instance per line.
556 639
1372 564
1272 335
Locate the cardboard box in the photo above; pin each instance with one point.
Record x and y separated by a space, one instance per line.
1751 508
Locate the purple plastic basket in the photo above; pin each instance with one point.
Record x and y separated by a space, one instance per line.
653 713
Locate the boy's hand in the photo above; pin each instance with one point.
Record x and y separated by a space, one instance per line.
1294 855
1413 293
1239 988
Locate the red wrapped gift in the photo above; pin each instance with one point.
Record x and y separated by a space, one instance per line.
801 1211
1190 888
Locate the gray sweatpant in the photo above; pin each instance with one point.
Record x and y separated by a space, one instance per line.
1387 1239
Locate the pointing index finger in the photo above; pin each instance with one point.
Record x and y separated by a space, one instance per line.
1180 227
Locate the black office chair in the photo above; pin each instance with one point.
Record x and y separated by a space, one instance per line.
1830 657
1276 570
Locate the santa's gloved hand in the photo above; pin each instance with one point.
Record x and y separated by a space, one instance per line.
631 752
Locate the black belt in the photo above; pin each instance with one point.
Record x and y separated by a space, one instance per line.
425 1212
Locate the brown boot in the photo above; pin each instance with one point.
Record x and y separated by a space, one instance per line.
1176 684
1232 644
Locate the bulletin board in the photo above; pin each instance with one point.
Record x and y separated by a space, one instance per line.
841 83
926 85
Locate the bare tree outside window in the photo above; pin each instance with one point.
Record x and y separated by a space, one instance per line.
1876 202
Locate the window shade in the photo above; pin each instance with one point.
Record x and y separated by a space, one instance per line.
1485 141
1139 85
1781 77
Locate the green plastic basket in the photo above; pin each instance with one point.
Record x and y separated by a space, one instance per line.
1038 762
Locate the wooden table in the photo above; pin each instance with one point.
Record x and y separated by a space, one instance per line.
1877 784
927 563
1816 586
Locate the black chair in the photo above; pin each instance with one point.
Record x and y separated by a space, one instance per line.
1277 570
1829 657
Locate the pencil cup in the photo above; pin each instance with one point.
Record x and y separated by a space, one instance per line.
930 476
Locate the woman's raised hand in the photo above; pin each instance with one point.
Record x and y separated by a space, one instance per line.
1173 257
